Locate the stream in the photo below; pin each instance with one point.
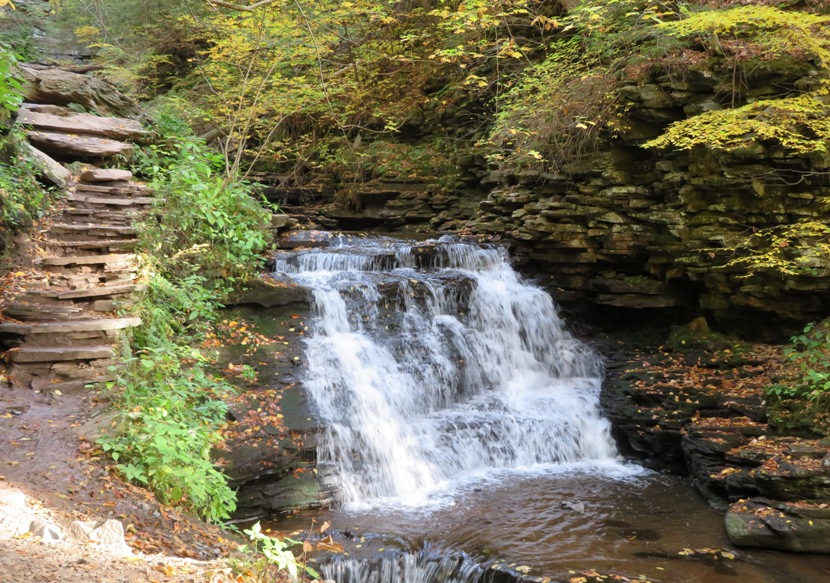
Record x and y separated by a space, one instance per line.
464 436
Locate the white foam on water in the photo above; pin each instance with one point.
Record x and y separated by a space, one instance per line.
433 365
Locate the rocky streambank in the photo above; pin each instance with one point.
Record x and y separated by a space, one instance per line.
694 404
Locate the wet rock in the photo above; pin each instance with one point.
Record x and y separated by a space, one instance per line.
760 522
306 238
576 505
269 291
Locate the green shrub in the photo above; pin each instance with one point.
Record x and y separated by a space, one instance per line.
802 403
205 234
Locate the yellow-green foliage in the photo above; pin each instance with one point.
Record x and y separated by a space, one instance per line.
802 248
556 111
776 32
800 124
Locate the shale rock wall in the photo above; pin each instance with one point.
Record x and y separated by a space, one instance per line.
632 228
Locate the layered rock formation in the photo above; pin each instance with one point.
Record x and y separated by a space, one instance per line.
633 228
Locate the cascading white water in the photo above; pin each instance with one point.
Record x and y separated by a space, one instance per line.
431 363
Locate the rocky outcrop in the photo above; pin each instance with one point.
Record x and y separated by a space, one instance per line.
696 406
53 86
631 228
760 522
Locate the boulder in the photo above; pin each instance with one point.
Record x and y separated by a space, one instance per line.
268 292
56 86
759 522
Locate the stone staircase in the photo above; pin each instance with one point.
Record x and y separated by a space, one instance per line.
64 327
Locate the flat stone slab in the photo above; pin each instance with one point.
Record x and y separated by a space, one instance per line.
94 229
764 523
102 291
78 145
105 175
114 188
114 201
60 354
69 122
50 168
99 324
112 258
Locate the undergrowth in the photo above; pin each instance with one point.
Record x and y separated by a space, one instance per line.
22 197
204 235
802 403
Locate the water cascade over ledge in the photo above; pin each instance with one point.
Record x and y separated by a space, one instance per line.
433 363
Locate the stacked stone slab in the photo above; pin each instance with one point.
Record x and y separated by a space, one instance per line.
64 330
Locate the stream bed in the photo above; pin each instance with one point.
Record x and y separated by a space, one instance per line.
464 439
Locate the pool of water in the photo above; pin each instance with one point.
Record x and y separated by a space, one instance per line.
560 525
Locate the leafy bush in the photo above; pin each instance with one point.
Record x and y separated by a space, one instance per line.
10 95
22 197
803 401
205 234
204 223
174 410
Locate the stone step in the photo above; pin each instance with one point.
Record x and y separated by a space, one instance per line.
70 145
69 122
94 201
109 259
119 189
104 246
28 311
70 282
71 387
93 230
106 175
39 375
76 216
28 354
87 293
97 324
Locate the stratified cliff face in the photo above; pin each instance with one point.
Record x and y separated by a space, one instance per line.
635 228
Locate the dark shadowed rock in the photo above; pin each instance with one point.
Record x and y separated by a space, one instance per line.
268 291
760 522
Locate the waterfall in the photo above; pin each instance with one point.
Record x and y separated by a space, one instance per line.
432 363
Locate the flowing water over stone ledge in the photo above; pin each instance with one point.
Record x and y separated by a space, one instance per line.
376 295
